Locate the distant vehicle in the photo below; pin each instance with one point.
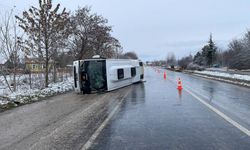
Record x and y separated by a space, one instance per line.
178 69
98 74
216 65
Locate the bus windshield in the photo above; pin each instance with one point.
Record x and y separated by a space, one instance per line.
94 72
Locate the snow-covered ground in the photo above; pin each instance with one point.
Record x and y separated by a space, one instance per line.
25 94
227 77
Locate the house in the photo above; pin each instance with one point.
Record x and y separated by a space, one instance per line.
36 65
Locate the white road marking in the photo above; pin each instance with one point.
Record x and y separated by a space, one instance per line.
221 114
224 116
91 140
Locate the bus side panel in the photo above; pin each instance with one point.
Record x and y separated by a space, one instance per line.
126 79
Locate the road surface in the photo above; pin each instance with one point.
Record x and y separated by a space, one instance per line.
156 116
207 114
62 122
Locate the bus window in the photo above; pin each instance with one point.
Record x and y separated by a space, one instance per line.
120 73
133 72
141 76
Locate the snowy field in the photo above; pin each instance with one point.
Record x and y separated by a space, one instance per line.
31 88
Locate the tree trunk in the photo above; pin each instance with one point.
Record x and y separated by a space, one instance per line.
46 42
47 69
30 80
14 79
7 82
54 72
82 50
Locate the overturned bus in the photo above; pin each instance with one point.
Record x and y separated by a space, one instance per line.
100 74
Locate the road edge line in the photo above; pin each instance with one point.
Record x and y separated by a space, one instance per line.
221 114
224 116
91 140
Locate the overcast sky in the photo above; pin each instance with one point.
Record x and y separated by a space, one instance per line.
153 28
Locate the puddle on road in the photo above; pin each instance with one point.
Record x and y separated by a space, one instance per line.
179 99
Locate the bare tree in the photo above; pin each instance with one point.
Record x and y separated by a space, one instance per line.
185 61
130 55
46 30
246 52
9 47
234 56
171 60
91 35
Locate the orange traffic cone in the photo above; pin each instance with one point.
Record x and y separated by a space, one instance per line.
165 75
179 87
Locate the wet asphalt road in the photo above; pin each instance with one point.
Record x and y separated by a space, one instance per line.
153 115
63 122
156 116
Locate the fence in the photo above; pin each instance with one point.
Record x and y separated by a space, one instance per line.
33 80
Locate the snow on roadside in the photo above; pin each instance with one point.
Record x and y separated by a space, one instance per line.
237 79
225 75
30 95
225 80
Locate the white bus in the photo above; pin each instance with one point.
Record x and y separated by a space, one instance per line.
99 74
